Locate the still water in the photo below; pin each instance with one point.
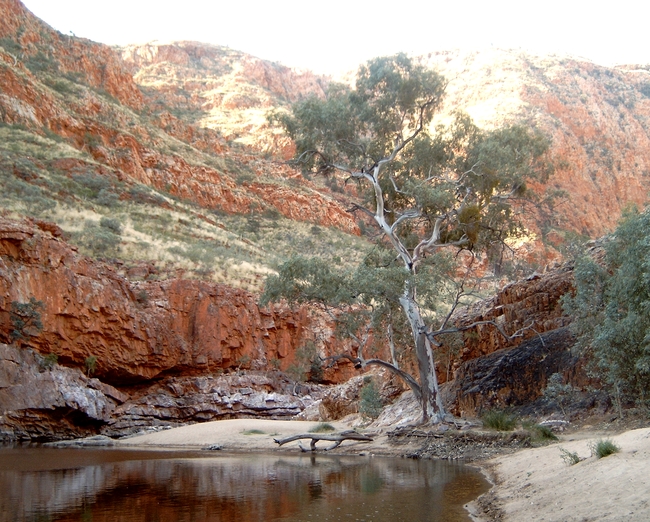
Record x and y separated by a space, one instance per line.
49 484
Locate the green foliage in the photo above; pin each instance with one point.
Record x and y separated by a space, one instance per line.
253 432
308 365
322 427
603 448
111 224
558 392
25 319
569 457
370 402
101 239
90 363
611 306
543 432
540 432
49 361
499 420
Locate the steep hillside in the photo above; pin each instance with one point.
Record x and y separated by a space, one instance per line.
220 88
82 145
597 117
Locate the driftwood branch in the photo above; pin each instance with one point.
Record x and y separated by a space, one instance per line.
315 437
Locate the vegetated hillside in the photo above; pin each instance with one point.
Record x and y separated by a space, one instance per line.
82 145
220 88
170 145
598 119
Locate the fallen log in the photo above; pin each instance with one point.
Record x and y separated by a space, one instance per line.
315 437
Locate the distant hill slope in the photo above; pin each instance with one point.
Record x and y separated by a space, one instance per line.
597 117
170 141
81 144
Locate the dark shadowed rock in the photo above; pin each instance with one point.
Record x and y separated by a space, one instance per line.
512 376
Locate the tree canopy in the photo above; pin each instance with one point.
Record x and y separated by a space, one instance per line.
611 306
431 191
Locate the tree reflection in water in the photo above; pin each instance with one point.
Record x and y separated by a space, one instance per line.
109 485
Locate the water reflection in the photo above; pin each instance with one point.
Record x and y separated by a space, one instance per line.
120 485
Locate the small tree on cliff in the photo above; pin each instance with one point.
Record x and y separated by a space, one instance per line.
431 194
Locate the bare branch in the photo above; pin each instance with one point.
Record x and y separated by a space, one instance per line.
515 335
360 362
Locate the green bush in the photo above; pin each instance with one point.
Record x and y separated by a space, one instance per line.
308 365
99 240
603 448
540 432
49 361
610 309
558 392
322 427
370 402
91 365
25 319
569 457
499 420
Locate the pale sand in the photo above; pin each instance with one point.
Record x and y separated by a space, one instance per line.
236 435
536 484
530 485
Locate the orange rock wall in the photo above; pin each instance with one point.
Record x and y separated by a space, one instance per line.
142 330
526 308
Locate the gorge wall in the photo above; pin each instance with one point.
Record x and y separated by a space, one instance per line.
177 351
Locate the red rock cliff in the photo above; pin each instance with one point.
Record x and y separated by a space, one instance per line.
141 330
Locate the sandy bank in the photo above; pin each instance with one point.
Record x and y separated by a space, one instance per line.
536 484
257 435
530 484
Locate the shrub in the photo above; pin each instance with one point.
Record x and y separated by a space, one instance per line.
370 403
610 306
49 361
499 420
111 224
308 364
541 433
26 319
90 364
559 393
569 457
322 427
99 240
603 448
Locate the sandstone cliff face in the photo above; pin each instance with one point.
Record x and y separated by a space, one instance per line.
522 310
222 88
597 118
140 330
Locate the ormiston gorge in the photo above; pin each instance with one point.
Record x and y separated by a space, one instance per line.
147 196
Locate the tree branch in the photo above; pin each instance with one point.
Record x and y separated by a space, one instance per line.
360 362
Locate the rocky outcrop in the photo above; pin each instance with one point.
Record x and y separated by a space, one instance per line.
144 329
39 398
523 309
515 376
176 401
